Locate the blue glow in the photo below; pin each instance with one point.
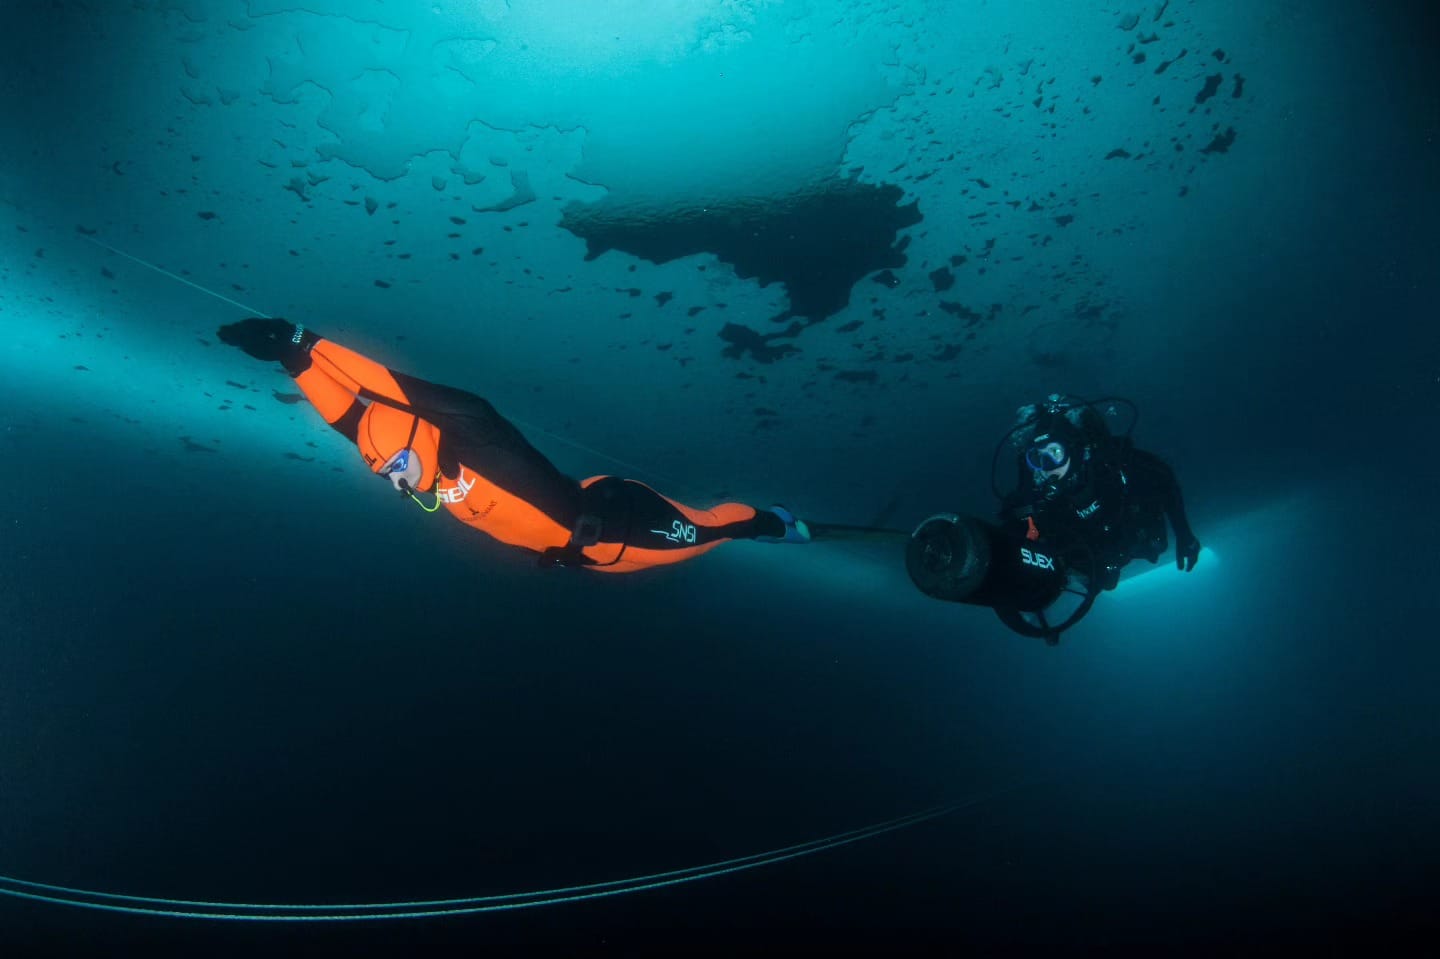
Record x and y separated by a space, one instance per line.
1163 574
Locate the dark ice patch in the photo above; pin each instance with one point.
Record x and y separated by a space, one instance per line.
1212 83
663 297
1089 314
942 279
193 447
1239 90
817 242
1118 154
971 317
521 193
1221 143
857 376
962 311
1165 64
742 340
886 279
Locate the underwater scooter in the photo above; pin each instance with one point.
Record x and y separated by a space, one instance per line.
1036 590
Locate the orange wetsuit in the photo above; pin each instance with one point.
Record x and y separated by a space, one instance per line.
490 478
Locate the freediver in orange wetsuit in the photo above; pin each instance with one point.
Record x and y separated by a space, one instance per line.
425 437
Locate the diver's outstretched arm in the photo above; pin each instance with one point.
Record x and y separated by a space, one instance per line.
336 380
1159 473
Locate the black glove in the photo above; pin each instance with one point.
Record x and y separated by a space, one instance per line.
1187 553
276 340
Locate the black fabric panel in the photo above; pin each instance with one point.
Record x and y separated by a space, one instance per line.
348 425
474 433
631 513
1161 479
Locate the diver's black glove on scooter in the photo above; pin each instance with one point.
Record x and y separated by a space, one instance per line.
276 340
1187 553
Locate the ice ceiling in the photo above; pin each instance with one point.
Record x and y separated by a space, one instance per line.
797 222
670 100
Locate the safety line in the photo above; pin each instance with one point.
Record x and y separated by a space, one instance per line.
175 276
254 312
420 909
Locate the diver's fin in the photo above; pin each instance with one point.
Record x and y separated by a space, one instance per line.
796 529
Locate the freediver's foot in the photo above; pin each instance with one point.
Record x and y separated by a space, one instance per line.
795 529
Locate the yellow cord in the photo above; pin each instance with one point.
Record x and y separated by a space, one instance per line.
429 509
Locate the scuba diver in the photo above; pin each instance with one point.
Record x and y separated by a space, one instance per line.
1078 482
427 438
1085 504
